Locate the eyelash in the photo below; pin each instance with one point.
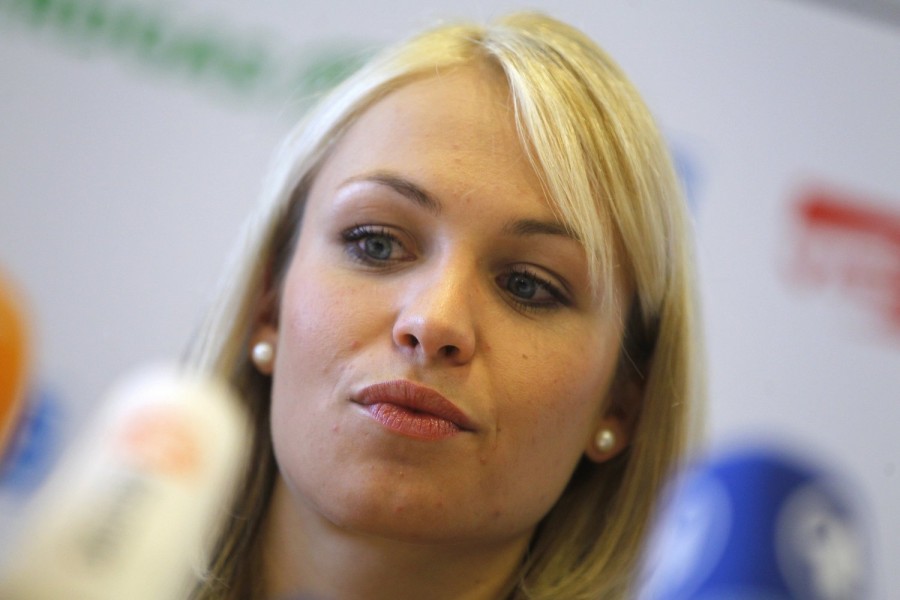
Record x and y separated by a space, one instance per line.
354 236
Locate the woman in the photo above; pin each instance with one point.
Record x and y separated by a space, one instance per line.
463 322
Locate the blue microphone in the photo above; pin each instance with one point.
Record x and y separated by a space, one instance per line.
757 523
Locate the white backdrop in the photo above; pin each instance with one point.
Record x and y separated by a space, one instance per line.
134 134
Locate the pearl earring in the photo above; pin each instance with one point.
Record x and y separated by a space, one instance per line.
605 440
262 354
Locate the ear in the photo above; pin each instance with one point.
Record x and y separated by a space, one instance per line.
613 431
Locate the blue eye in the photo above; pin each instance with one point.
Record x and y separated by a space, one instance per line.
374 245
378 247
521 285
531 291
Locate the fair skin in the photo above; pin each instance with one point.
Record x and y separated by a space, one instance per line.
428 255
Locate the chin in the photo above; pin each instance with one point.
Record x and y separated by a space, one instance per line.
409 515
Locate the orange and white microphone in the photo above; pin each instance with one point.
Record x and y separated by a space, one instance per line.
128 511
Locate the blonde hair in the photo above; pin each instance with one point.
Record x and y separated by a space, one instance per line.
604 164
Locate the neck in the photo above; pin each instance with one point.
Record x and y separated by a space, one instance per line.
306 554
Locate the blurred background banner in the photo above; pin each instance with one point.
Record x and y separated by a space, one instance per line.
134 135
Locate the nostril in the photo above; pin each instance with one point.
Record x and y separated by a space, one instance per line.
412 341
449 351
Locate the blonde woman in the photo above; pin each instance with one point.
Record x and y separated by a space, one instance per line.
463 321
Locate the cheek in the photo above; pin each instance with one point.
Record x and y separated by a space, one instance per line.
560 391
320 327
547 415
316 330
562 384
321 321
327 319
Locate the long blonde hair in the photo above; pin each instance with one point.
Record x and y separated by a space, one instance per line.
604 164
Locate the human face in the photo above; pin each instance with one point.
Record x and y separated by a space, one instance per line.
442 362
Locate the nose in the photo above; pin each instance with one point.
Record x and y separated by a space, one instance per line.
436 323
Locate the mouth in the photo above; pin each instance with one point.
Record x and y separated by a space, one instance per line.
413 410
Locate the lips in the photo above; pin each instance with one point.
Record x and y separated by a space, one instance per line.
413 410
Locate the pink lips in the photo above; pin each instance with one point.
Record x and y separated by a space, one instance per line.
413 410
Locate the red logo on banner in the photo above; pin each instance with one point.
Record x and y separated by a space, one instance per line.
853 247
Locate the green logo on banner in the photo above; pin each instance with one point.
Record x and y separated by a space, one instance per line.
244 66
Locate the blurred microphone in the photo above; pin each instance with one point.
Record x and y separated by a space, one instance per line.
128 511
757 523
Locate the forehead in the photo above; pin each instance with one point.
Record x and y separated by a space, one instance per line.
454 133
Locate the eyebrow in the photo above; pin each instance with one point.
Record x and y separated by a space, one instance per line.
414 192
526 227
404 187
